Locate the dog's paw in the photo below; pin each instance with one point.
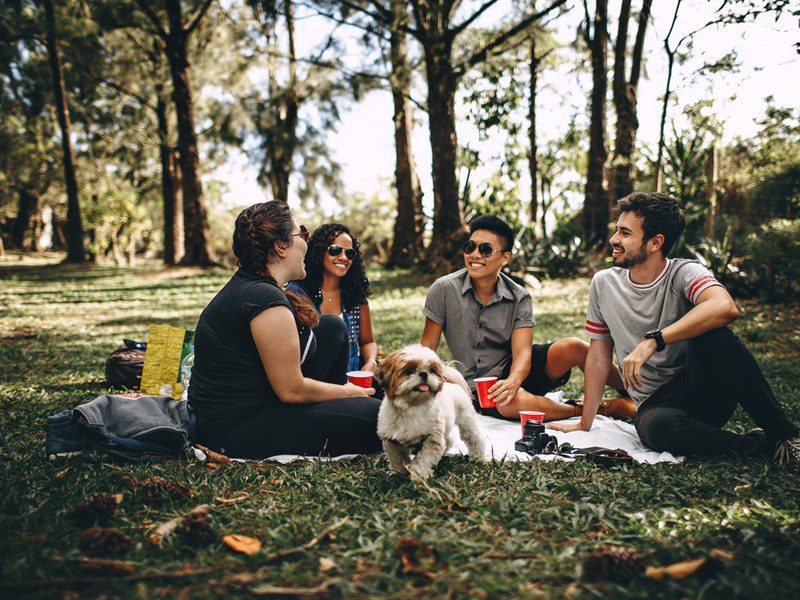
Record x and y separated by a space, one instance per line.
398 469
418 473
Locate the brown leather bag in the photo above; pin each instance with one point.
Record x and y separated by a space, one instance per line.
124 367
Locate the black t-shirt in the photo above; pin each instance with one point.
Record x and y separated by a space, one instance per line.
228 379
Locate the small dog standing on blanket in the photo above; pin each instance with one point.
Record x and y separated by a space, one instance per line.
424 399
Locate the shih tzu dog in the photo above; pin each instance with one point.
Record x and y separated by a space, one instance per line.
424 399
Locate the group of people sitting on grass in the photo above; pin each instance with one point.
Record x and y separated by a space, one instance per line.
273 347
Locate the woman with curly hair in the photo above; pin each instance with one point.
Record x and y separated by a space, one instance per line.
269 373
336 283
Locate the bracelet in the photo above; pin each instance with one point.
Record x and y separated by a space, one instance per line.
371 360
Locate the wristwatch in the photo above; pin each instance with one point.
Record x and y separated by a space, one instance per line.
656 335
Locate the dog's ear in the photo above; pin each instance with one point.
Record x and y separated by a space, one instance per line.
387 372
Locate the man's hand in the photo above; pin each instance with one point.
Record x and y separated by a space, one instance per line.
566 427
632 364
504 391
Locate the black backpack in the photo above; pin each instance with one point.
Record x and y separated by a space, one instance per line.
124 365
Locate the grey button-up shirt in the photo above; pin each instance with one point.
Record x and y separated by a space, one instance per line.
479 337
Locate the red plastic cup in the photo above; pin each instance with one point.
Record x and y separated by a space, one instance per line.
482 384
530 415
360 378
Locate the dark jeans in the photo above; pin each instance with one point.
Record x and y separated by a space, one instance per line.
334 427
685 415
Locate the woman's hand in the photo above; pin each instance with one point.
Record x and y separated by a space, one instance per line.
351 390
370 365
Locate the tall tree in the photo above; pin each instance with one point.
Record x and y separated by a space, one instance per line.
175 38
74 229
407 244
595 208
625 98
435 30
671 52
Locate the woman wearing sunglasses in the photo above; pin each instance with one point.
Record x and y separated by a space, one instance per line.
269 373
336 282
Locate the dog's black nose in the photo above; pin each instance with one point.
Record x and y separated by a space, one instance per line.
423 375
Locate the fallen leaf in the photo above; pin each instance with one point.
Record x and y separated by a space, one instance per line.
100 540
455 507
416 556
684 569
242 543
213 456
97 508
233 499
102 566
64 472
213 465
326 564
721 554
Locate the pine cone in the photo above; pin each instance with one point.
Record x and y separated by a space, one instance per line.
197 528
97 508
101 541
157 488
612 563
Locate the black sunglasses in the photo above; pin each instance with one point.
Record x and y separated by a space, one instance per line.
304 233
335 250
485 248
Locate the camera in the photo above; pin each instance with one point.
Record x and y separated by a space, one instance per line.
535 440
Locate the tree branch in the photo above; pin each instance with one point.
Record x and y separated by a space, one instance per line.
481 54
198 16
145 8
472 18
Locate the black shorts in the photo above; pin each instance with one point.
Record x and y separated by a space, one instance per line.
537 382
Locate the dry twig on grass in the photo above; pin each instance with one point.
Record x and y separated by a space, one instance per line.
318 591
159 532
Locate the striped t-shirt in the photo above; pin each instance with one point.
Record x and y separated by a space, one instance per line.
623 311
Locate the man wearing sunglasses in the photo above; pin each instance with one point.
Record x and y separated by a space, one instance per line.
487 321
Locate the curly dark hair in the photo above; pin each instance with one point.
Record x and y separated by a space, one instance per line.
258 228
354 285
661 213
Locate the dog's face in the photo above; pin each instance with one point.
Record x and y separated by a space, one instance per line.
413 374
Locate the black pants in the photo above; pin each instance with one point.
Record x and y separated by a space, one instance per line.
334 427
685 416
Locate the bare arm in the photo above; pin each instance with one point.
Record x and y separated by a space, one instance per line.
282 361
714 309
505 390
366 340
598 365
431 334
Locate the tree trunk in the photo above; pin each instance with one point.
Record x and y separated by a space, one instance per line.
663 122
533 156
173 206
25 207
281 135
712 172
407 241
74 227
595 210
195 217
448 214
625 101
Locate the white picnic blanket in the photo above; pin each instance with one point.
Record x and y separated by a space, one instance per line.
501 435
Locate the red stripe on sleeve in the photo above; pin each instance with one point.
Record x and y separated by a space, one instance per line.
597 325
699 283
597 331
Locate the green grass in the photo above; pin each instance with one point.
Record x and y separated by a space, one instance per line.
495 530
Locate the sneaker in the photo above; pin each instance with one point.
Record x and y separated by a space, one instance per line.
787 451
62 439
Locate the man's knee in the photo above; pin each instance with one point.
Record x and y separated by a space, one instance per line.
661 429
713 339
572 350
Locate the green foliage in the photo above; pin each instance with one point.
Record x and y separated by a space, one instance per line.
498 529
773 263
